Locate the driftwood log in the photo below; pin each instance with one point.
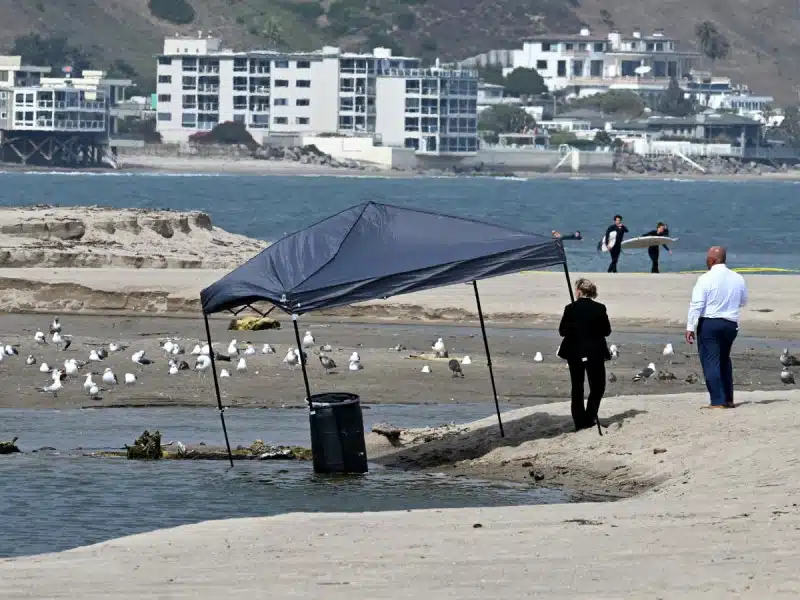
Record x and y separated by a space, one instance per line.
9 447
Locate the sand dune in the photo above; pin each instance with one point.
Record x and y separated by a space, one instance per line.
721 521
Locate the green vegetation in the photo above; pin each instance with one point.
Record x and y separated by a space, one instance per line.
177 12
520 82
55 52
712 43
615 103
505 118
405 21
674 103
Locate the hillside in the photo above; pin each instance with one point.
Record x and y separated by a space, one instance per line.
763 33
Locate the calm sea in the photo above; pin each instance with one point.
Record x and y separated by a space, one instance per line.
756 220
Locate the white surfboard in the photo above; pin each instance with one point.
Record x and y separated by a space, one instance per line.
646 241
612 239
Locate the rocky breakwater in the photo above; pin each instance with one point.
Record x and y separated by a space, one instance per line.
308 154
93 237
637 164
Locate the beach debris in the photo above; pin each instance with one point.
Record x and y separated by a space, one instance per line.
145 447
308 340
477 526
267 349
612 378
439 349
399 348
455 367
692 378
466 360
583 522
787 377
9 447
327 363
645 373
666 376
390 432
659 450
788 360
252 323
425 369
668 352
538 357
614 351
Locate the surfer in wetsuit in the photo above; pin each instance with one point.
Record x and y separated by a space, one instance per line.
615 251
660 230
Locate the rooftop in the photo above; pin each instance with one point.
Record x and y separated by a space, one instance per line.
720 119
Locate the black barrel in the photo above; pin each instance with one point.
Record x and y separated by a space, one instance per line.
337 433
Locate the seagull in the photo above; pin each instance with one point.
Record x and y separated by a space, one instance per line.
666 376
173 368
102 353
668 352
455 367
45 368
94 393
325 348
31 360
327 363
39 338
206 349
538 357
355 365
645 373
233 349
355 357
71 367
94 356
614 352
787 377
167 346
224 373
11 350
89 383
241 366
53 387
202 364
267 349
61 340
308 340
426 369
109 377
196 350
439 349
55 326
140 359
176 349
612 378
788 360
183 366
249 350
115 347
130 378
292 358
466 360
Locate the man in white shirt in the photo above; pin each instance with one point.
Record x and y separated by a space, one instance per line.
717 300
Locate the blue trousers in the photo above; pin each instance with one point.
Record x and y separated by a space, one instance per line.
715 339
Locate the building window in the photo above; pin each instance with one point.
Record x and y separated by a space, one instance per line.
165 79
281 102
569 47
546 46
165 60
302 120
412 86
281 83
281 120
411 143
412 124
303 64
238 118
561 68
164 116
599 47
281 64
412 105
239 65
302 102
346 122
577 68
165 98
240 103
596 68
541 65
189 64
190 102
303 83
189 120
189 83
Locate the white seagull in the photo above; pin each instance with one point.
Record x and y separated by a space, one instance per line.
71 367
308 340
614 352
645 373
53 387
224 373
202 364
115 347
355 357
355 365
173 368
787 377
466 360
292 358
130 378
267 349
94 393
109 377
61 340
233 349
44 368
39 338
88 383
439 348
140 359
205 349
249 350
538 357
31 360
425 369
94 356
787 360
668 352
55 326
11 350
241 366
167 346
196 350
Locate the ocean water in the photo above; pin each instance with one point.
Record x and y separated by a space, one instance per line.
57 499
756 220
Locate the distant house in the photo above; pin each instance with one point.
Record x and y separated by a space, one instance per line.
707 127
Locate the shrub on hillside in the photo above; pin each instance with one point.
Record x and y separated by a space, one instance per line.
226 134
178 12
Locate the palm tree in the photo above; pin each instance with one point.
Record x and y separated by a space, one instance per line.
712 43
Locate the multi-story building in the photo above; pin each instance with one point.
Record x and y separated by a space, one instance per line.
327 91
55 120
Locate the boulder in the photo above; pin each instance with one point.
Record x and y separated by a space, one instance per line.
9 447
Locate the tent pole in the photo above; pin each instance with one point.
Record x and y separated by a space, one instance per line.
488 357
302 360
572 299
216 389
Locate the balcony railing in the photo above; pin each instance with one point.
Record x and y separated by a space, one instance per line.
209 69
208 88
604 80
447 73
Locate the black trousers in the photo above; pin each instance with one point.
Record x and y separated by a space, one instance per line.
614 252
654 260
595 372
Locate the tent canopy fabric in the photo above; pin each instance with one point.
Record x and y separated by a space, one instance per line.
374 250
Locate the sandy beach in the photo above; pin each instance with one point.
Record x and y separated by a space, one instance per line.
719 521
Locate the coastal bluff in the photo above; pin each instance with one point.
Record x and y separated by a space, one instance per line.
82 237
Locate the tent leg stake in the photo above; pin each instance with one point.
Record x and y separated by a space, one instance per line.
488 357
302 360
572 299
216 389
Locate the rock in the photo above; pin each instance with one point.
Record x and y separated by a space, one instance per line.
659 450
146 447
391 432
9 447
253 324
537 476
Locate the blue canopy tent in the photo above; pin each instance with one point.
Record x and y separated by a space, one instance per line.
372 251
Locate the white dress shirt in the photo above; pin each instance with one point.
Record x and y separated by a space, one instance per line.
718 294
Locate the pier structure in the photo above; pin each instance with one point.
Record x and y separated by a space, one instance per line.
57 121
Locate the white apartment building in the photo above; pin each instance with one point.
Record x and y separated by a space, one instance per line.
390 97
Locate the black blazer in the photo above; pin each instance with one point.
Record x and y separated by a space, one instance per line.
584 327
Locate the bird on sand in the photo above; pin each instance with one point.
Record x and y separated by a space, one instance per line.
44 368
94 356
425 369
115 347
53 388
140 359
11 350
355 365
787 377
668 352
612 378
267 349
55 326
233 348
202 364
167 346
613 351
61 341
109 377
292 358
39 338
538 357
173 368
249 349
466 360
241 366
327 363
224 373
130 378
88 383
455 367
355 357
31 360
439 349
666 376
71 367
308 340
788 360
196 350
645 373
94 393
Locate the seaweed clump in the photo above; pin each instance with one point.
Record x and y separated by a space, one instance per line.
9 447
146 447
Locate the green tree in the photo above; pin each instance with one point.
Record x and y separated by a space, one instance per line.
789 129
674 102
603 138
618 103
711 41
177 12
505 118
492 74
525 82
55 52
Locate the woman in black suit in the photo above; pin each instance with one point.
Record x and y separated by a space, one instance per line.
584 328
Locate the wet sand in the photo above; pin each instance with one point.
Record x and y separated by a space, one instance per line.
388 376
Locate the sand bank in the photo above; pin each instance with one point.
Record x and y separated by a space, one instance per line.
721 522
633 300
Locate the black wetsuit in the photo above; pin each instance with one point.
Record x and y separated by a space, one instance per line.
617 249
653 251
